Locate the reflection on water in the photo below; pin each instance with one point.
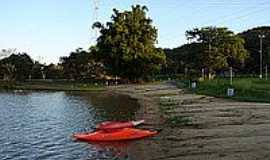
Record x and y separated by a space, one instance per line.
116 150
39 125
113 106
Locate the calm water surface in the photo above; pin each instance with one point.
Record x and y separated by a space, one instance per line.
39 125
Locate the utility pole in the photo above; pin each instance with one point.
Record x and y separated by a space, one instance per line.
209 53
209 44
95 19
266 72
96 9
261 36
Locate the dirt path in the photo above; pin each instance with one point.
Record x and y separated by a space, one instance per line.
198 127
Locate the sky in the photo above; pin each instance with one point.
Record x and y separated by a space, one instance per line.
49 29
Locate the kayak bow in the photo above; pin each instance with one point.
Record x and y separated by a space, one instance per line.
112 125
119 135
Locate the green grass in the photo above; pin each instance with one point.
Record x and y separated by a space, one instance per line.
246 89
178 121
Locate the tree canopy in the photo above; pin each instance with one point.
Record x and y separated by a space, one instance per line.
16 66
81 65
126 44
126 48
221 48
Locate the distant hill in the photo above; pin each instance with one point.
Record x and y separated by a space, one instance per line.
252 44
185 56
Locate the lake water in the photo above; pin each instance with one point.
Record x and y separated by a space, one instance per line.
39 125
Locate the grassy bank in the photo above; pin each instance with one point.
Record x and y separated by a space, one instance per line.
50 85
246 89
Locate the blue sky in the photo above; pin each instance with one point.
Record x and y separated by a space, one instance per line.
48 29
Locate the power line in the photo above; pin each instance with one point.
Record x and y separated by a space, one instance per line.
264 22
250 13
224 19
229 3
228 15
205 7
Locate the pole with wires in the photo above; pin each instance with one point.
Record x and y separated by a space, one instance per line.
95 19
266 72
261 36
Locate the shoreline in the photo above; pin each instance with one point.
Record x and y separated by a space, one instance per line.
149 109
197 126
200 127
50 86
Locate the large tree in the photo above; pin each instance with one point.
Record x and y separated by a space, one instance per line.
17 66
81 65
221 48
126 45
36 72
53 71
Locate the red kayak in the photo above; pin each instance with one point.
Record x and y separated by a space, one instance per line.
119 135
112 125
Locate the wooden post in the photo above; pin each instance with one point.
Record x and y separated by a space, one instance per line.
186 72
203 73
231 75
